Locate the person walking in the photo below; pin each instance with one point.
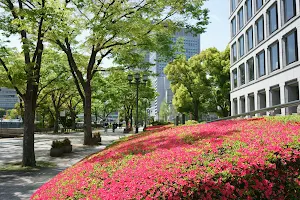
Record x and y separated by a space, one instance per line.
105 127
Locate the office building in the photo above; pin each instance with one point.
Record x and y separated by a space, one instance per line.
162 85
8 98
265 66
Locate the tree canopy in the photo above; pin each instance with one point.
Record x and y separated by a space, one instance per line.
201 83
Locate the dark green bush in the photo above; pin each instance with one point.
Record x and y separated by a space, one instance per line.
57 144
155 123
66 142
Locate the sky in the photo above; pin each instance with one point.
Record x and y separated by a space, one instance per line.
217 33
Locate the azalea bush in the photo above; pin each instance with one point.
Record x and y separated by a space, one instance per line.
235 159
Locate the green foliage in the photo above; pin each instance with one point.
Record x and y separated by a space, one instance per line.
2 112
66 142
217 65
12 114
202 83
284 119
164 111
189 84
188 138
191 122
57 144
117 94
155 123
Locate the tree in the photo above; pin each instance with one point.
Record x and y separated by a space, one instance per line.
115 27
189 84
56 86
164 111
73 104
217 65
2 112
32 21
124 95
12 114
202 82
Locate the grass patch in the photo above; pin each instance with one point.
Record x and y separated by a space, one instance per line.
284 119
17 166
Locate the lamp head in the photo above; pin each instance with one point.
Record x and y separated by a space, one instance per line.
130 78
145 78
137 76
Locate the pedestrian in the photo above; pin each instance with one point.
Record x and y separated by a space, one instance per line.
105 127
114 127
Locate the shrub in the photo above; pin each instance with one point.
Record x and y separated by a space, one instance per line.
66 142
191 122
57 144
284 119
97 134
155 123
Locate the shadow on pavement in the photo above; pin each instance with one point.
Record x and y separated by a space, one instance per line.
22 184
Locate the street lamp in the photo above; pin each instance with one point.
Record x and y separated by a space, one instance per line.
137 82
145 101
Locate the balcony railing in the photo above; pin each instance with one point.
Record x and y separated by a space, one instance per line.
263 110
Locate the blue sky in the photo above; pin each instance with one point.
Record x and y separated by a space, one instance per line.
217 33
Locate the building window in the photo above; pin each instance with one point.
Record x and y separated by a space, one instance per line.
289 9
234 77
233 5
261 64
233 27
249 34
249 9
233 52
241 46
259 4
250 65
291 47
274 56
241 18
242 74
260 29
273 19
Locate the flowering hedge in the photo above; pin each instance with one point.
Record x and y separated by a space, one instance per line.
236 159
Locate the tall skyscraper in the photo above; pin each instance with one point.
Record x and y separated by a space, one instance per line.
265 66
161 83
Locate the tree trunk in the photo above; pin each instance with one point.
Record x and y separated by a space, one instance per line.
88 114
96 115
28 137
43 120
196 113
56 122
126 121
73 119
131 120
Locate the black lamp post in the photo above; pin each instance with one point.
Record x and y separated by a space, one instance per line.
137 82
145 104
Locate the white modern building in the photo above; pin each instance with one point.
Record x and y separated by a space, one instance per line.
8 98
265 66
161 83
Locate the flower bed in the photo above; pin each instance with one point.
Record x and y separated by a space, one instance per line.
237 159
157 127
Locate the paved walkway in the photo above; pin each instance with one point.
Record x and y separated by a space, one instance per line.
21 184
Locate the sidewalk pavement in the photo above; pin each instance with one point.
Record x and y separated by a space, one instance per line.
22 184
